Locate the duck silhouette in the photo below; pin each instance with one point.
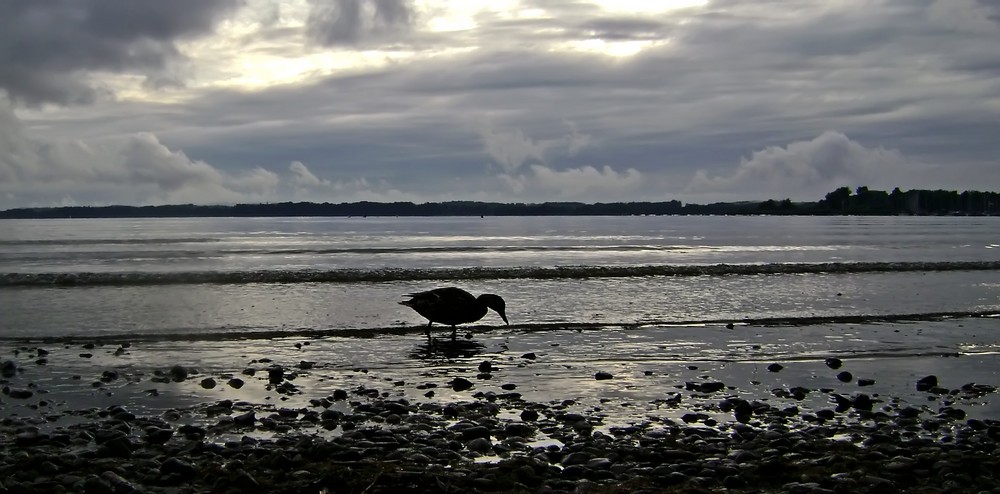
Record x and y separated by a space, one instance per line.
453 306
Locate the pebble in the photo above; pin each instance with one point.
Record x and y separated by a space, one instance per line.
429 447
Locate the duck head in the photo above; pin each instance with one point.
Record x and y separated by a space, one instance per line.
496 303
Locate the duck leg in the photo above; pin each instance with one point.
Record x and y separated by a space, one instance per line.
428 330
454 332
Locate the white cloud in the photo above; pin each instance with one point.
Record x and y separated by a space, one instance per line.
302 176
306 186
807 169
513 149
587 183
136 168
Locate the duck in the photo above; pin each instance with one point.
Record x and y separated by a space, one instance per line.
453 306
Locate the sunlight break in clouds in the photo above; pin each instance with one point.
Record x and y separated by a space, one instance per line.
647 7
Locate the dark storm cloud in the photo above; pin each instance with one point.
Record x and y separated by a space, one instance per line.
731 101
348 22
47 48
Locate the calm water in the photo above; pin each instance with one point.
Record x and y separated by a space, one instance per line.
205 276
251 244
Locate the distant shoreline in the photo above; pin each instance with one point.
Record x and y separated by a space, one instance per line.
842 201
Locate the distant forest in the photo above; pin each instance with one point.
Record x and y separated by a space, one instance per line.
843 201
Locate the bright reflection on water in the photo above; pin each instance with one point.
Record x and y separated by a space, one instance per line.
234 244
212 309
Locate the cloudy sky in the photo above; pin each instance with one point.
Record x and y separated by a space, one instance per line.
225 101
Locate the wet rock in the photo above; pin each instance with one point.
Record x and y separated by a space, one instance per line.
208 383
519 430
117 447
8 369
157 435
235 383
862 401
177 466
866 382
705 387
529 415
951 413
479 445
833 362
460 384
178 373
192 431
118 484
775 367
843 403
602 376
30 438
845 377
245 419
275 374
19 394
485 366
94 485
926 383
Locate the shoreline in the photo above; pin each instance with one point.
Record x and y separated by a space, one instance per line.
422 448
502 412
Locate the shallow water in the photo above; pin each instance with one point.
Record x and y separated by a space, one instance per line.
210 311
220 295
649 365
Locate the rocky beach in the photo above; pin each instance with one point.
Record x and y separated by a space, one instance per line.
505 411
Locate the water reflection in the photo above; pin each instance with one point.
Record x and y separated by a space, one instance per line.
441 350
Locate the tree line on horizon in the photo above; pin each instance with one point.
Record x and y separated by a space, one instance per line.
842 201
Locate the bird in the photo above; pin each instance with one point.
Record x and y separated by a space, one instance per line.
454 306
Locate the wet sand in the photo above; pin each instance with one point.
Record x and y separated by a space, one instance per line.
836 407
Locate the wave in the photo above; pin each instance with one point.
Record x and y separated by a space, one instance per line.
270 333
83 279
73 242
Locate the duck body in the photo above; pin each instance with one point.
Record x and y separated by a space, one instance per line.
453 306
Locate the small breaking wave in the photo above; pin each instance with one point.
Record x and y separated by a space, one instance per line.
83 279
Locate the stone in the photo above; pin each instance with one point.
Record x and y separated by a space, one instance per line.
602 376
926 383
178 373
460 384
8 369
